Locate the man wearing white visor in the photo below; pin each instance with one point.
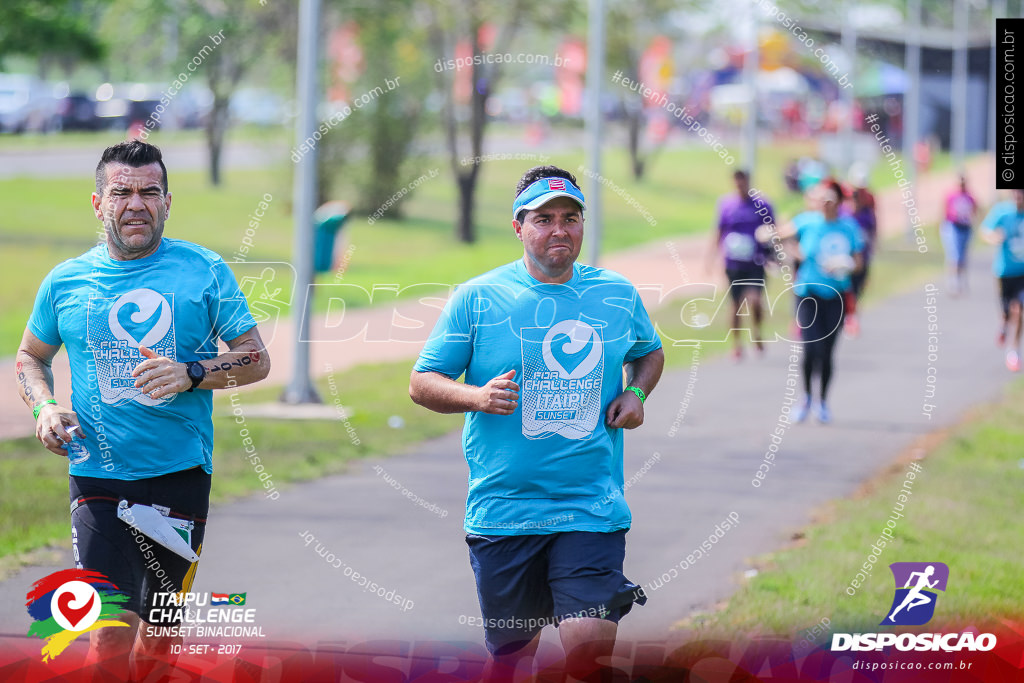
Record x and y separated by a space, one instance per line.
542 342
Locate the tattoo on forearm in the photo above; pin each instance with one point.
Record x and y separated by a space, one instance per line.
227 365
26 390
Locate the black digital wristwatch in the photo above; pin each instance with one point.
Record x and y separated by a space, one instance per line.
196 372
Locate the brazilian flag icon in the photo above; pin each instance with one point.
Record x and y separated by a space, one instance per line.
237 598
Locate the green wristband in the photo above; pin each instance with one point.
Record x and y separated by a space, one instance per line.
35 411
639 393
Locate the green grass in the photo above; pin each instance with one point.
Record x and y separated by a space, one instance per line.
961 512
290 450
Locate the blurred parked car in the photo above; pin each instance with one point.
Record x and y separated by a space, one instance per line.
27 105
77 110
119 106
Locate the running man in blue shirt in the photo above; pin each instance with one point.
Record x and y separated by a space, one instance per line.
140 316
1003 228
542 342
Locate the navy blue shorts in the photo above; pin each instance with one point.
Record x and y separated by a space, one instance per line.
526 582
1011 289
748 279
137 565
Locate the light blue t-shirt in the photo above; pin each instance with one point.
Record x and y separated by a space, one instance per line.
1009 258
804 220
553 465
178 302
821 240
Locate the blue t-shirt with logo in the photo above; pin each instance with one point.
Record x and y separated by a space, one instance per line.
820 241
1009 258
553 465
177 302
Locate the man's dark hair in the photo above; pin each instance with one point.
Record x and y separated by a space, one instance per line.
740 174
535 174
134 153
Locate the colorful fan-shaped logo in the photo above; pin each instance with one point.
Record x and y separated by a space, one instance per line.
71 602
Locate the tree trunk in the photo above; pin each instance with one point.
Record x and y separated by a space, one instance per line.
635 159
464 229
215 130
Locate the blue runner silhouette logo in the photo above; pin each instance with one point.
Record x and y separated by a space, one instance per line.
916 586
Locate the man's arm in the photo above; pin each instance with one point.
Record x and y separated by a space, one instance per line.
627 411
246 362
711 256
434 391
35 386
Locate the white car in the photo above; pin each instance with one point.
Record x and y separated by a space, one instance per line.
27 105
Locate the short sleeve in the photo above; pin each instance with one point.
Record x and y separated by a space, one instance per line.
450 346
643 332
43 321
229 311
723 215
991 221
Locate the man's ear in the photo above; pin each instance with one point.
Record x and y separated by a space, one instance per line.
96 199
518 227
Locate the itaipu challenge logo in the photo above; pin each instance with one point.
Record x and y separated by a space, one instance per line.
71 602
915 598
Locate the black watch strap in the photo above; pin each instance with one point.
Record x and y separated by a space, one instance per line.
196 373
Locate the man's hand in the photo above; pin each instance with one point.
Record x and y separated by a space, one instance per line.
52 426
500 396
159 376
625 412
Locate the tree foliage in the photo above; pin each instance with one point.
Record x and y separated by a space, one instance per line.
56 29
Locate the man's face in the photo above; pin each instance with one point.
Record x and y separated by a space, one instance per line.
830 204
133 209
1018 197
742 185
552 235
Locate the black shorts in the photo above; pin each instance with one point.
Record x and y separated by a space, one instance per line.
743 280
525 582
1011 289
137 565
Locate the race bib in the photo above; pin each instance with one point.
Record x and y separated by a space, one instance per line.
739 246
117 327
832 245
563 369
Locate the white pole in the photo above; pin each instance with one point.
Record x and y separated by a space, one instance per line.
751 67
958 134
848 37
300 388
912 99
592 124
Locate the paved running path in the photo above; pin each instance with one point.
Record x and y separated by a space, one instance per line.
702 473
